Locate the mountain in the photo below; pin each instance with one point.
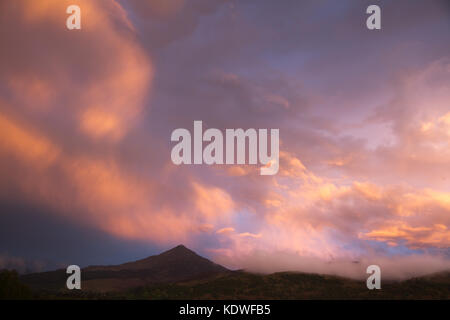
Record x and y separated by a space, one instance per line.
179 262
175 265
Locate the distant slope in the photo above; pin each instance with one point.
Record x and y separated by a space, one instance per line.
297 286
177 264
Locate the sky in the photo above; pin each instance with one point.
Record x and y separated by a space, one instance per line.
364 117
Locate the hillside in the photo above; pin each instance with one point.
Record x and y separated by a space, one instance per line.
291 285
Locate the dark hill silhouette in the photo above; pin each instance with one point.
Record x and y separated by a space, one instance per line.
175 265
178 260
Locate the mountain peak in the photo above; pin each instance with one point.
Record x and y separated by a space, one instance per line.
179 249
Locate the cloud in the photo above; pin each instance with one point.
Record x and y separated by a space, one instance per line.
96 81
225 230
100 75
86 116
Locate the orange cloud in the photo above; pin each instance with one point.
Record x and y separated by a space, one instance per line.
99 123
213 202
32 147
225 230
99 75
436 235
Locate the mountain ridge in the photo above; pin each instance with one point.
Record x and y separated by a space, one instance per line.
174 265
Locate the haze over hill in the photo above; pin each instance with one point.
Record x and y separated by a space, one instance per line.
393 267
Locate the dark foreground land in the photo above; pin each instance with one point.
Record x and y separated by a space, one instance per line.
181 274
